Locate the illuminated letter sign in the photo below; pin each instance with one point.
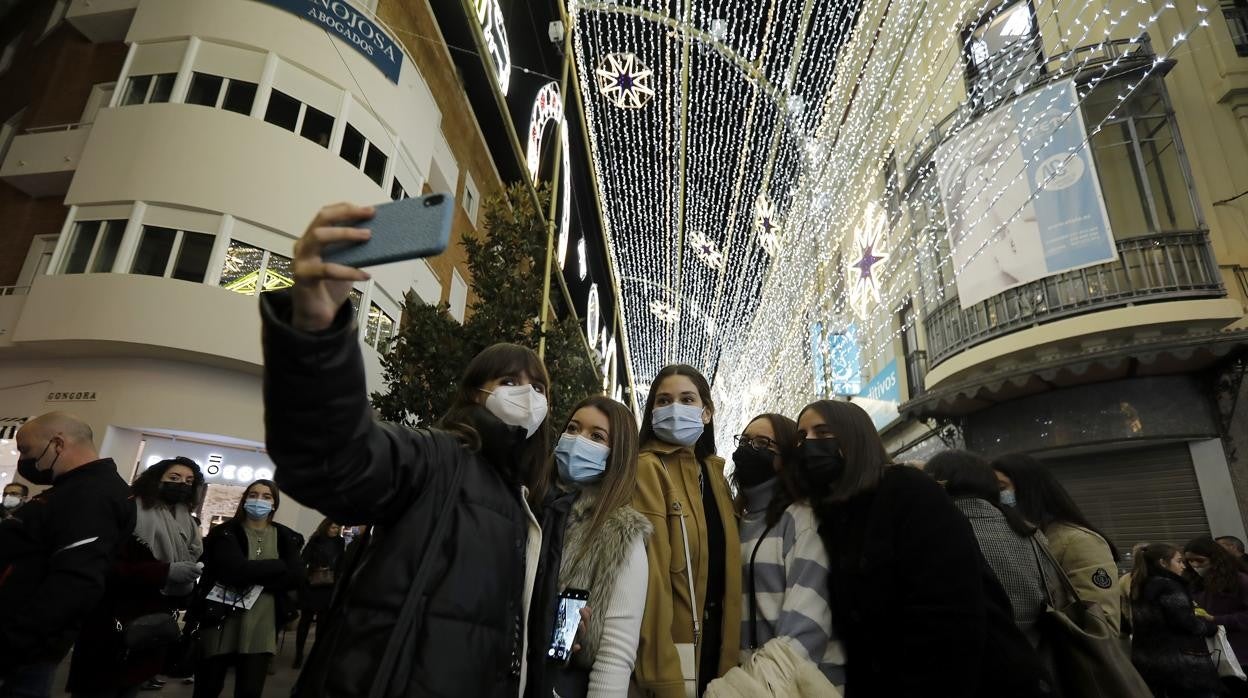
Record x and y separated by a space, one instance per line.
490 17
546 108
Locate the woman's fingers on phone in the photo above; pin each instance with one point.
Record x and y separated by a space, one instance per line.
336 214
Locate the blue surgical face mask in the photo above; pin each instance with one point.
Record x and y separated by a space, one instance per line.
257 509
1007 498
678 424
580 460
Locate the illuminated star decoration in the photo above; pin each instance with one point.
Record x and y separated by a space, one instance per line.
706 250
864 281
625 80
664 311
766 225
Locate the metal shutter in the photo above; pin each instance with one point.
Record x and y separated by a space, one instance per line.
1145 494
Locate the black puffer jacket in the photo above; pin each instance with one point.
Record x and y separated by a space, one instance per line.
1168 646
333 455
915 603
226 561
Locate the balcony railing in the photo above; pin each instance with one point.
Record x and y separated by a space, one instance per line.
1171 266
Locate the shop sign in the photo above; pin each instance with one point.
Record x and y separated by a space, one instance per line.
80 396
353 27
881 397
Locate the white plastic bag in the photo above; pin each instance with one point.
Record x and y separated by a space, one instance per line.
1224 655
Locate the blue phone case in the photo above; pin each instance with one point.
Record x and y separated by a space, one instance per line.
402 230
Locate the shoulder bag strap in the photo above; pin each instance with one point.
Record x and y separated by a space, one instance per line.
753 596
1063 580
381 682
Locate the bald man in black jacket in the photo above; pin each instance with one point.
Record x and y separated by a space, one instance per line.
56 551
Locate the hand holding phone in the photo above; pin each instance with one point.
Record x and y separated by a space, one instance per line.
567 622
322 287
401 230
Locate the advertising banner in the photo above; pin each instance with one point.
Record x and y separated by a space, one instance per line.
837 360
881 397
1021 196
352 26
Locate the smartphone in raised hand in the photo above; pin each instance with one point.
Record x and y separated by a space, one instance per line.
401 230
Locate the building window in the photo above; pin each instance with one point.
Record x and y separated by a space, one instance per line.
471 198
9 53
397 191
458 297
1139 159
59 8
933 260
250 270
295 116
148 89
379 328
1002 52
916 358
363 155
8 131
1236 14
93 247
173 253
892 190
215 91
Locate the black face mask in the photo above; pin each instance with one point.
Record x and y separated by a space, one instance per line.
822 464
174 492
753 466
29 468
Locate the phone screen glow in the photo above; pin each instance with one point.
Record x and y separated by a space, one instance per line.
567 621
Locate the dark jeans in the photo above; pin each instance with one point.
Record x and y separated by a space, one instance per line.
250 672
30 681
306 618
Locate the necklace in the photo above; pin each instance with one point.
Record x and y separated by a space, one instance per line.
260 543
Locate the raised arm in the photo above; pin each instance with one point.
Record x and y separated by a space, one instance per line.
331 453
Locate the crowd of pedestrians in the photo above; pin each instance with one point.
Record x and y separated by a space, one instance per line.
821 569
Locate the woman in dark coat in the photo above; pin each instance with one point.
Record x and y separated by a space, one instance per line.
913 601
1220 586
248 551
155 572
1168 646
466 631
321 555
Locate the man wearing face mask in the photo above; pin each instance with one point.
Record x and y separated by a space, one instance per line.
56 551
15 495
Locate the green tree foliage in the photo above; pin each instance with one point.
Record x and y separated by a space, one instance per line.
423 364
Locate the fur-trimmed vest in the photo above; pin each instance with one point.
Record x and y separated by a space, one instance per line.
594 565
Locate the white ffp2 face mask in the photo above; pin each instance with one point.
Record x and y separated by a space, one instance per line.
11 501
518 406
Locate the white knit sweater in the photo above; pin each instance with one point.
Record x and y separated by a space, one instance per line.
617 650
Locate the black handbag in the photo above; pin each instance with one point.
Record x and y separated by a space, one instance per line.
148 632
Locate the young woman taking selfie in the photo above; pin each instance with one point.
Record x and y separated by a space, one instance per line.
439 594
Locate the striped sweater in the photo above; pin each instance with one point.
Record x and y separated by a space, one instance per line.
790 575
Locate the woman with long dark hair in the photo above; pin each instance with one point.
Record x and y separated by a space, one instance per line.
1008 542
439 595
913 601
690 632
785 566
1168 640
1086 555
250 565
1219 585
603 549
155 572
321 556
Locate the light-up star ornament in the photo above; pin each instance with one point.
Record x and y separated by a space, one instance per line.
625 80
706 250
664 311
864 269
766 225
